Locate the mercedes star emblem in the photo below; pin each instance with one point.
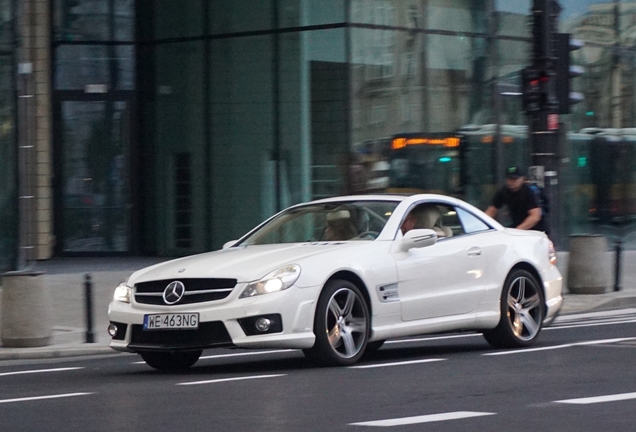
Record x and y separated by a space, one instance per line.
173 292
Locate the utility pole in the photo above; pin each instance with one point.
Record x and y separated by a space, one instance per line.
546 95
541 103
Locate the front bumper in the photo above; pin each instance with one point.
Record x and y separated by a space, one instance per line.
553 286
220 322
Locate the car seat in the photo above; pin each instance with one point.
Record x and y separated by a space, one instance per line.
430 217
339 226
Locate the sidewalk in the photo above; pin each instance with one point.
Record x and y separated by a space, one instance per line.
65 279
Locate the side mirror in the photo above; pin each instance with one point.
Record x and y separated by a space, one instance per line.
229 244
418 238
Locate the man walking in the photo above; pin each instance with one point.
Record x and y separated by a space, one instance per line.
521 200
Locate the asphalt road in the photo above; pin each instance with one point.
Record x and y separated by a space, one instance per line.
580 376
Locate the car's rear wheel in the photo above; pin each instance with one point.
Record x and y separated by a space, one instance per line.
522 312
341 325
373 346
170 360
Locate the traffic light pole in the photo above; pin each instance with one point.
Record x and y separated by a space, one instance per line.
546 95
544 138
542 106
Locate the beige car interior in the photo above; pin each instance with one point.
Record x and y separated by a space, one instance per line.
340 227
430 217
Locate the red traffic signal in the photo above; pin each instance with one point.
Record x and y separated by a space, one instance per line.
532 85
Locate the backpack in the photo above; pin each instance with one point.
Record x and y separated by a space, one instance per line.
542 200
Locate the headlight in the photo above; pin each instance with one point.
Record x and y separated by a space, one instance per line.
275 281
552 257
123 292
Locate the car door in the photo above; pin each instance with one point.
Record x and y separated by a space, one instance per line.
446 278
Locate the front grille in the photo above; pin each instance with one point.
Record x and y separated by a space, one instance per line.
196 290
208 334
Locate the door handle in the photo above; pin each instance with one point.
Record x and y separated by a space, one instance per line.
474 251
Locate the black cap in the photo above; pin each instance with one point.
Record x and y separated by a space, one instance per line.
514 172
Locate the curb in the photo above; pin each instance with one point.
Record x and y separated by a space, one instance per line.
69 341
55 351
577 303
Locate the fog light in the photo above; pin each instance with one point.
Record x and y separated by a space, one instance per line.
112 330
263 324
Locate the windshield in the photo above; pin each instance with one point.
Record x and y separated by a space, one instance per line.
334 221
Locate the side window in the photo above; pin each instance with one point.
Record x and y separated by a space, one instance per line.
471 223
441 218
450 220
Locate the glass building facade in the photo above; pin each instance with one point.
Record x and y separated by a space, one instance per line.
178 126
8 162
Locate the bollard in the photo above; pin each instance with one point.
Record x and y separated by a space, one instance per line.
617 268
26 314
589 266
88 291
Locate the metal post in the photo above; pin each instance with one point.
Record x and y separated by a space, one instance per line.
88 290
617 268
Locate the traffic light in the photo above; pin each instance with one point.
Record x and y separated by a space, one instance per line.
565 72
531 90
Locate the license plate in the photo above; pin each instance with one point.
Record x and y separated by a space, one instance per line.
171 321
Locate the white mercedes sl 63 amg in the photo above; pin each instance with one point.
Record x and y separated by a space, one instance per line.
337 277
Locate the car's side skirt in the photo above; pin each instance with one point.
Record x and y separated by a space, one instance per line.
471 321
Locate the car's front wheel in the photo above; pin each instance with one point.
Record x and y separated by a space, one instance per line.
522 312
170 360
341 325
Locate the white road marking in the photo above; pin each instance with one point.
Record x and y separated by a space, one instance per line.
599 399
601 314
596 324
235 355
584 343
231 379
34 398
423 419
39 371
396 363
247 354
425 339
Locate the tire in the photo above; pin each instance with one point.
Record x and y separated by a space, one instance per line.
341 325
522 312
373 346
170 361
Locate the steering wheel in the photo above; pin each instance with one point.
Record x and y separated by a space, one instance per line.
371 234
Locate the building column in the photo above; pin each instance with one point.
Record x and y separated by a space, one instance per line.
34 131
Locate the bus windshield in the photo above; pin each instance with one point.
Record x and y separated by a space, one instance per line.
425 163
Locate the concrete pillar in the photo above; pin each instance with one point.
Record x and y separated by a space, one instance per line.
26 310
589 266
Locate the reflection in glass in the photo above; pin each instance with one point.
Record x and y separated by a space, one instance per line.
242 119
99 20
179 147
80 65
95 144
313 92
514 21
6 25
438 84
178 18
457 15
8 187
297 13
239 15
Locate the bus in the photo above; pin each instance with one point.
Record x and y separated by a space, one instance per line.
462 163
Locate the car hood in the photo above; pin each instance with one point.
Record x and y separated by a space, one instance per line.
242 263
